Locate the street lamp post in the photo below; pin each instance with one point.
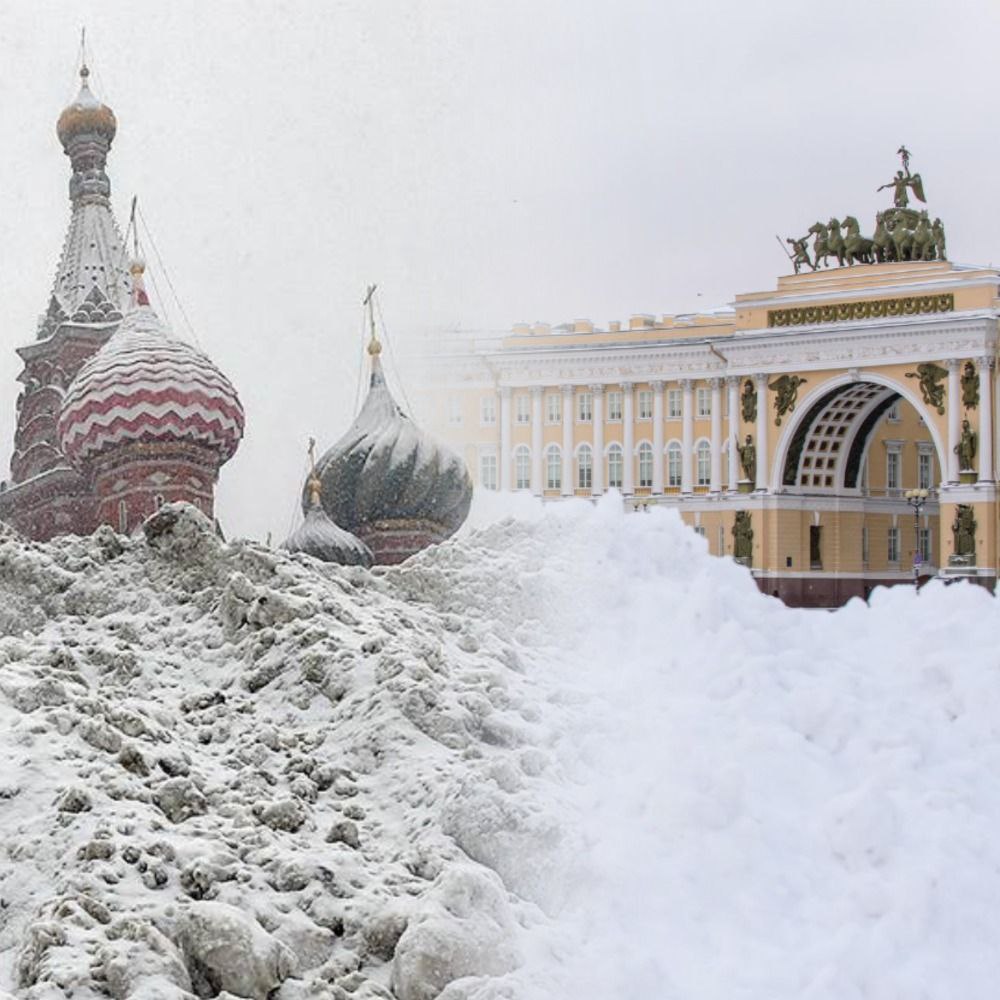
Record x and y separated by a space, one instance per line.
916 499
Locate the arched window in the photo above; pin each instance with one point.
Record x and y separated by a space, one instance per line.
645 464
553 467
674 463
122 517
584 467
616 467
522 467
703 452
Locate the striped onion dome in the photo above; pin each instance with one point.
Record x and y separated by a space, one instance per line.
145 385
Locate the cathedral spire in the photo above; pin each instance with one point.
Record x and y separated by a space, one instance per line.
86 129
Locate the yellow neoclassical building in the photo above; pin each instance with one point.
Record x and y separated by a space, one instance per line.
787 430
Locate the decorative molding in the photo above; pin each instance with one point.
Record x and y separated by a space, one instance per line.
836 312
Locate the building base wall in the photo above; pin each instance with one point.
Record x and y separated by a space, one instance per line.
834 592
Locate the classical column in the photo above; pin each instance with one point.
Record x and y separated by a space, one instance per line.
505 437
985 420
537 483
954 415
687 434
628 439
716 475
763 415
567 445
657 436
597 468
732 390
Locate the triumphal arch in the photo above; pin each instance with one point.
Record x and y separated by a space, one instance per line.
832 433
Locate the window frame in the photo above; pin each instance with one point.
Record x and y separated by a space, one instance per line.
553 460
522 453
613 451
645 449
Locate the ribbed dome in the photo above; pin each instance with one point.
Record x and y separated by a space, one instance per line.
318 536
85 115
386 469
145 385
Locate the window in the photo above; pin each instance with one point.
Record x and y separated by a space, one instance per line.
864 546
892 470
892 549
614 407
553 467
924 537
454 410
584 467
892 414
522 409
616 467
122 517
924 470
645 402
584 408
703 402
674 463
488 472
704 456
674 403
488 410
815 546
645 464
158 501
522 467
699 529
553 408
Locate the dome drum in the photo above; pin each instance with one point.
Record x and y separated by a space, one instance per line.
393 540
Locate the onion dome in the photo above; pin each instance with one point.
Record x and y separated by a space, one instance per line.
85 116
318 536
385 471
146 385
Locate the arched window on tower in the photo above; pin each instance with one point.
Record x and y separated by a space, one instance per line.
553 467
122 517
158 500
616 467
674 463
645 464
584 467
703 454
522 467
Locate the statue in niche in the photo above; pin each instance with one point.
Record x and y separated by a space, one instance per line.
748 401
787 393
966 447
964 530
742 537
748 458
931 376
970 386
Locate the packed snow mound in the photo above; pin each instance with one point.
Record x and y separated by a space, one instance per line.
229 771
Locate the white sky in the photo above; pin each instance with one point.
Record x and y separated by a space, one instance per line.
484 162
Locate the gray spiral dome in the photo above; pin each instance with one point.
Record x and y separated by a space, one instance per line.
385 469
318 536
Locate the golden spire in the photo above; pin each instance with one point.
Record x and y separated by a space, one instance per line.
374 347
315 483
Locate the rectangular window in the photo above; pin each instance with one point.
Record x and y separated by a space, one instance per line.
699 529
703 402
645 404
454 410
584 408
864 546
553 408
892 549
924 535
893 413
614 407
488 472
924 467
488 411
674 404
815 546
892 470
522 409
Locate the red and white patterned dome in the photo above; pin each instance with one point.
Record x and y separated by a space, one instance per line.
145 385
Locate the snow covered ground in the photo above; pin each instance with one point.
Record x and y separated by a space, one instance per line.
567 756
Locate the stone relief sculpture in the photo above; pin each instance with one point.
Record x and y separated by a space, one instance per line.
931 376
786 389
748 401
970 386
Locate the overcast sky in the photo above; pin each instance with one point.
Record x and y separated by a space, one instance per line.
484 162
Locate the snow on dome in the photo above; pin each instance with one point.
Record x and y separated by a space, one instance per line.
385 469
145 385
85 115
318 536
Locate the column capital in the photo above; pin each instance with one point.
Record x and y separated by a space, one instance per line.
627 386
505 391
656 385
536 391
597 389
952 364
566 390
761 379
733 380
715 383
986 362
685 384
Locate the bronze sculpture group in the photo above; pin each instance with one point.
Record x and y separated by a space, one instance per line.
901 233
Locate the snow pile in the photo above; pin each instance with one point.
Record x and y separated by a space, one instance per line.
228 771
